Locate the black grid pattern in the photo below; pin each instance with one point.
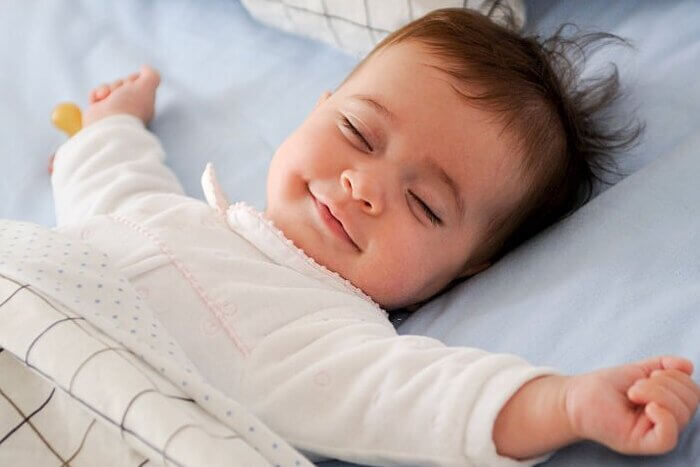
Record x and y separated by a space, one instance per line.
21 365
370 21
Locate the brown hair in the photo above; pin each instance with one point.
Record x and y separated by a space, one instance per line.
534 86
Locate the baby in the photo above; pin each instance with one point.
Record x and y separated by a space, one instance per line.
449 144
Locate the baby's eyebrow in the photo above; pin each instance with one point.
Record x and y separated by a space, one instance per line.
376 105
449 181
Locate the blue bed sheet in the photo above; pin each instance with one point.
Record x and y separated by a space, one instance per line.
233 89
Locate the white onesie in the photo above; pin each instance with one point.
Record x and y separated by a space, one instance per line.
310 354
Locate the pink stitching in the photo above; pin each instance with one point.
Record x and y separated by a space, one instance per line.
332 275
215 308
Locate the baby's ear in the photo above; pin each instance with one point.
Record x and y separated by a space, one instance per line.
476 269
325 95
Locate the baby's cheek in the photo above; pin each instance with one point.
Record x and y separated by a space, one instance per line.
393 282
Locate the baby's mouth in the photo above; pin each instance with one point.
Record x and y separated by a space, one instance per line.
333 223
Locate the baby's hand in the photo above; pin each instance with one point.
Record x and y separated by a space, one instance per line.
638 408
134 95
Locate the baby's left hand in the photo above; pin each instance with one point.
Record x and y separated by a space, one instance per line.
134 95
638 408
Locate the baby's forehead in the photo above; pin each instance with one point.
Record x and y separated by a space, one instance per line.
408 56
415 74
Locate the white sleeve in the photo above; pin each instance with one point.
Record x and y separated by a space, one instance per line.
107 164
351 388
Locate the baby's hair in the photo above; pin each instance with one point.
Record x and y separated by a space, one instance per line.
535 88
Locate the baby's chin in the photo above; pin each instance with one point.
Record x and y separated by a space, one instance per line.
390 295
351 266
347 267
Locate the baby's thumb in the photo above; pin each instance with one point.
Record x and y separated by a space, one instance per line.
677 363
664 363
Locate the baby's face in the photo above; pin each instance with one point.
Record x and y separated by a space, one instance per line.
352 184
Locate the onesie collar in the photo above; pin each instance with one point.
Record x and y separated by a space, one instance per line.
213 193
261 232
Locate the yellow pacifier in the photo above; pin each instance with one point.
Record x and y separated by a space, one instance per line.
68 118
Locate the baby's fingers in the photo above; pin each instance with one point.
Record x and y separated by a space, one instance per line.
665 362
649 390
682 385
664 435
99 93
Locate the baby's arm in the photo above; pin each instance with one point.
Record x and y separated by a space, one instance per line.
113 159
638 408
340 382
412 399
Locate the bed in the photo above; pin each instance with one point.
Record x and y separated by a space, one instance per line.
617 281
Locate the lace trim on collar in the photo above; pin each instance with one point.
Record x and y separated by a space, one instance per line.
300 259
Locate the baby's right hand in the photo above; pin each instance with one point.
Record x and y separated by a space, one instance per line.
134 95
638 408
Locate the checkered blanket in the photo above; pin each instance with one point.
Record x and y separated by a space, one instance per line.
356 26
88 376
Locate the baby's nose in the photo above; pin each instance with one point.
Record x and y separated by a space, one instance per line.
363 187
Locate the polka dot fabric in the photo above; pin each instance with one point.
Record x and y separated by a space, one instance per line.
86 285
83 279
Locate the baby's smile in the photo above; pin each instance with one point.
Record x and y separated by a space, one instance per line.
330 217
355 179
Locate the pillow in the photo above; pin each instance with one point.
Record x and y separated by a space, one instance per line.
356 26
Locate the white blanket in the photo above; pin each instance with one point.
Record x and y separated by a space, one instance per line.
79 385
